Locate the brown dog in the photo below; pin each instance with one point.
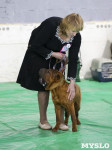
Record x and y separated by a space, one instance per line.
54 81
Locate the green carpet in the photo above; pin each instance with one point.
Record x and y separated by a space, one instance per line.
19 118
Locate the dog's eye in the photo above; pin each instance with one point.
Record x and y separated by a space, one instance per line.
58 77
48 71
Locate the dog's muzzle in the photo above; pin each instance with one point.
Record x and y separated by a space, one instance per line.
42 82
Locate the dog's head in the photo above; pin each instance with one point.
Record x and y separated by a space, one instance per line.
50 78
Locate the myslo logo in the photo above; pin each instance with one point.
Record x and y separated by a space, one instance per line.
95 145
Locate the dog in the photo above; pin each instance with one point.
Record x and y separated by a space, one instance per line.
54 81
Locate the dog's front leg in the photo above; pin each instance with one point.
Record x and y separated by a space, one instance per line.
58 117
73 117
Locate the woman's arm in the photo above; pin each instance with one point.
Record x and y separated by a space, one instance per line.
71 90
72 66
57 55
73 57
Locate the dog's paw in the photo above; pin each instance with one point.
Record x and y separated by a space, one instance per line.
78 122
66 123
54 129
74 129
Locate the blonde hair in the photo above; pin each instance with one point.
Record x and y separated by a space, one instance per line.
73 21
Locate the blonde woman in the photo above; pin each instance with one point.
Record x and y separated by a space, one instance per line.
49 42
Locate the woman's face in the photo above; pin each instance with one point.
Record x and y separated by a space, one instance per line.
71 33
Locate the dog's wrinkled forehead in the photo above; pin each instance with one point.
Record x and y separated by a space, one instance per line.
56 73
49 73
50 78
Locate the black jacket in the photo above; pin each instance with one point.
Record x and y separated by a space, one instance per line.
43 41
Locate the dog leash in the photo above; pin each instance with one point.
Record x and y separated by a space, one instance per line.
63 62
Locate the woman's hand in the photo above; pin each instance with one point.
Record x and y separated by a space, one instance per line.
57 55
71 90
